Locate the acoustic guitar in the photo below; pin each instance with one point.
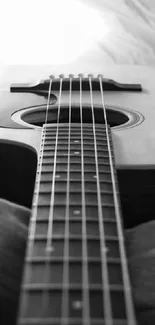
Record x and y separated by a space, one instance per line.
83 127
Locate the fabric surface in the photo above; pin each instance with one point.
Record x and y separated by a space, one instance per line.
13 234
131 30
129 37
130 26
140 243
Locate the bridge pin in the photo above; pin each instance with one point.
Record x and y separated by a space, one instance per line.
80 75
100 76
52 76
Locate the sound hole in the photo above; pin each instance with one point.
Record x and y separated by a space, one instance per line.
37 117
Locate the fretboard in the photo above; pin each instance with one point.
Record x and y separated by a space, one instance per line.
75 267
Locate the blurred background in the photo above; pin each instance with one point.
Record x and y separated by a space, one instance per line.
36 37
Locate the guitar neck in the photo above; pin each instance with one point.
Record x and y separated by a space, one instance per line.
75 266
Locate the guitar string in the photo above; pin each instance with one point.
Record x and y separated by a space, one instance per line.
48 100
33 219
49 247
127 286
105 280
85 280
47 250
65 277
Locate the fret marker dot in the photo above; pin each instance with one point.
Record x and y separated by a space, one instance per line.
57 176
50 249
77 212
95 176
76 152
105 250
77 304
76 141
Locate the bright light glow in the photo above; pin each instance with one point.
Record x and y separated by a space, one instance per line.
49 31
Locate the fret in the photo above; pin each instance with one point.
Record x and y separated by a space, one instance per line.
89 205
73 259
71 321
75 167
71 286
63 150
76 134
74 127
58 234
101 157
90 186
109 224
75 142
54 286
76 175
90 164
74 139
64 145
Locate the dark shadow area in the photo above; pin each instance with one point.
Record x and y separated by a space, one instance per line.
17 173
17 177
137 192
37 117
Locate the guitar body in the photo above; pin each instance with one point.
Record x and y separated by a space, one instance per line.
133 143
133 134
